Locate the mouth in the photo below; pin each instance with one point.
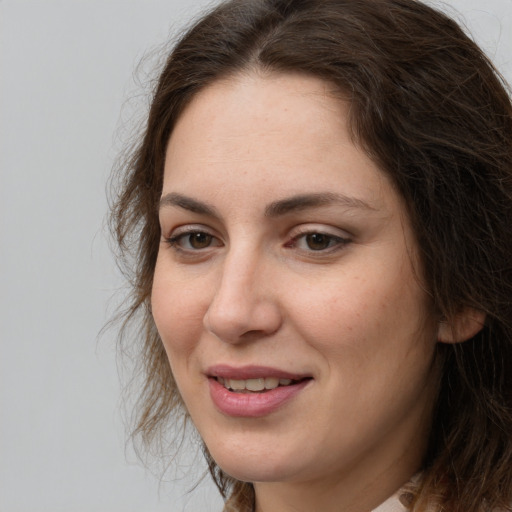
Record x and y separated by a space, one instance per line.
253 391
256 385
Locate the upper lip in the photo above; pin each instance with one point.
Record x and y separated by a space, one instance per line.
251 372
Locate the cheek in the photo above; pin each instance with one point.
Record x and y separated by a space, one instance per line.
178 309
378 343
379 312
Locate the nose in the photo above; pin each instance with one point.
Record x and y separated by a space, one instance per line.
244 306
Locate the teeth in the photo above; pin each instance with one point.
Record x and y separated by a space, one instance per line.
253 384
236 384
271 383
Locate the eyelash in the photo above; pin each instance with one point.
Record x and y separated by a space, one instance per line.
175 241
334 243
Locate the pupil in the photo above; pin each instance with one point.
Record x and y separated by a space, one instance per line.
317 241
200 240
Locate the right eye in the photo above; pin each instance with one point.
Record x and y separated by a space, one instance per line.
193 240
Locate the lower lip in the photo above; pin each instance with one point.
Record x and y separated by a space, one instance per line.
252 405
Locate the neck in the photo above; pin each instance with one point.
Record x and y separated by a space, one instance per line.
353 493
361 487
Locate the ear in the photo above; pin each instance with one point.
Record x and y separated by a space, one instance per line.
462 327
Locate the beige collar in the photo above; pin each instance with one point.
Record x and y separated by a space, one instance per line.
392 504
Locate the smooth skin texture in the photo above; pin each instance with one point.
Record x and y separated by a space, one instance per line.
250 272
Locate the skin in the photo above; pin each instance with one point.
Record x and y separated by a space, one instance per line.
353 314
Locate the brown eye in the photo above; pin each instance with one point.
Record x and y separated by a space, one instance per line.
318 241
193 241
199 240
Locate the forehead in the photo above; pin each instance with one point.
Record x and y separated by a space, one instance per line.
290 125
254 108
275 91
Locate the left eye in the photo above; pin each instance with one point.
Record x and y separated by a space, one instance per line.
317 241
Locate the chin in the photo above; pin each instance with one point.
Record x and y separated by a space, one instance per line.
249 472
254 465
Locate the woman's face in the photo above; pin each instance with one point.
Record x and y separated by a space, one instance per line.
286 290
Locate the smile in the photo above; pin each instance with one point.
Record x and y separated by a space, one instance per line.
253 385
253 391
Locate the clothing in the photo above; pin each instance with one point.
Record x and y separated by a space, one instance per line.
392 504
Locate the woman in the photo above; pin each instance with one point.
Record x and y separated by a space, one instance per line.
320 215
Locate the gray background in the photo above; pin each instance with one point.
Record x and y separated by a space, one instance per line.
67 99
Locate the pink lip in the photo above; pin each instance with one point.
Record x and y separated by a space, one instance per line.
251 372
252 405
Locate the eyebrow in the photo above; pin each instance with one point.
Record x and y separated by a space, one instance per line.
187 203
274 209
306 201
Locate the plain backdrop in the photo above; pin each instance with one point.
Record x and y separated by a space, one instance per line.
67 97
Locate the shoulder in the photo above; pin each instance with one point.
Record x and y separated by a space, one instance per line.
395 503
398 503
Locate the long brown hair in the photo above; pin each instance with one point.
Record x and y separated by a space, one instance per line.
431 110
